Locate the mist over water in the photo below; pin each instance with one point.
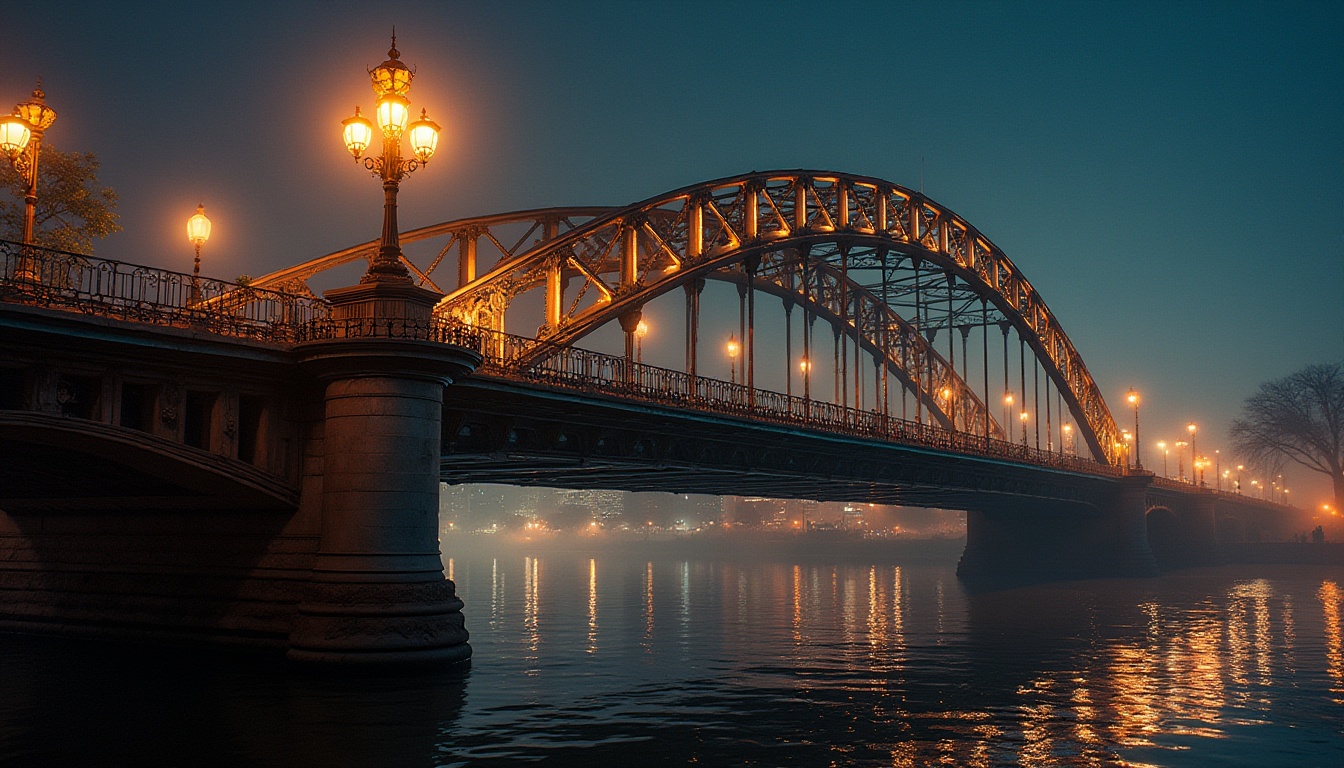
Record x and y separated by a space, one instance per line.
653 654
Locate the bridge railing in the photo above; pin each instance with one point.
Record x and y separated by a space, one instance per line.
436 330
89 285
1241 498
596 373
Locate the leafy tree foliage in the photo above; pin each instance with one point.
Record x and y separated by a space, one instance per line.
71 209
1299 418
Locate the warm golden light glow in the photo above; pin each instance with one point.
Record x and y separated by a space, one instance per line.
35 110
1192 427
946 393
14 135
424 136
393 112
198 227
804 365
642 329
733 347
1068 428
1024 416
391 77
1132 397
1008 399
358 133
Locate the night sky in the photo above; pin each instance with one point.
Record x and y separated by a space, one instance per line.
1170 176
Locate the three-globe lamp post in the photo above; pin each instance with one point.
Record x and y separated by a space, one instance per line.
391 84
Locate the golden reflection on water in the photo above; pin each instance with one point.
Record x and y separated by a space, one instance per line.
531 603
1142 675
647 641
1331 596
592 605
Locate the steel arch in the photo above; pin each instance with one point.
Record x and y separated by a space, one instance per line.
698 228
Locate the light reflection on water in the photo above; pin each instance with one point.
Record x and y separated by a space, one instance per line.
890 664
617 659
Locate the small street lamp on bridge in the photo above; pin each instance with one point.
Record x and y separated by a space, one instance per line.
641 330
1162 446
733 348
198 231
1133 397
1192 428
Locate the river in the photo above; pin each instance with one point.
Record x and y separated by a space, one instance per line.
647 656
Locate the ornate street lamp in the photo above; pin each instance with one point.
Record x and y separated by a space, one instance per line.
641 330
1133 397
23 131
198 231
733 348
1192 427
391 82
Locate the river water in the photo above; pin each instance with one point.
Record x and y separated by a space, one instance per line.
652 657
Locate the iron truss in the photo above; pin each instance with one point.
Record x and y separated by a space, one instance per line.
894 272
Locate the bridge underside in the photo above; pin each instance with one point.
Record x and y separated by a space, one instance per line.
503 432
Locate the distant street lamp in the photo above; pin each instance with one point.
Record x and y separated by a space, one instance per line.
23 131
198 231
1193 428
1008 413
1133 397
1180 460
641 330
1162 446
1023 418
391 83
733 348
1068 437
1239 468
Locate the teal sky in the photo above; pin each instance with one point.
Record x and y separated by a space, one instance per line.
1169 175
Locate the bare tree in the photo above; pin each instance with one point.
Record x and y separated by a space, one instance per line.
1299 418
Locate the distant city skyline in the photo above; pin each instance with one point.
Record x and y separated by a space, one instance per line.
1170 178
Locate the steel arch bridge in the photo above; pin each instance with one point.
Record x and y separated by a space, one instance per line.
896 276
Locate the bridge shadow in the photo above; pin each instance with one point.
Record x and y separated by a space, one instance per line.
73 702
113 532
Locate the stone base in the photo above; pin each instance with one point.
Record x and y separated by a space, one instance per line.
380 623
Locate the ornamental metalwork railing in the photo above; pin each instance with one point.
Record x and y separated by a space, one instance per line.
435 330
594 373
88 285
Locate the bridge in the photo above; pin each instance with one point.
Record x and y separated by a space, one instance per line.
249 462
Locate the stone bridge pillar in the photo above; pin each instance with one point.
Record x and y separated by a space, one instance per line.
377 590
1201 529
1125 529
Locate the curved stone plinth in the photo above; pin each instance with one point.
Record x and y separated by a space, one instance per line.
380 623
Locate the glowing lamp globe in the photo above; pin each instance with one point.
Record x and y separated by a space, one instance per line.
424 136
358 133
198 227
14 135
393 113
